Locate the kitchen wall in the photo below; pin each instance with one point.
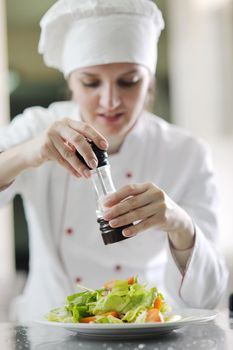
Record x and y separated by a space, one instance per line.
201 81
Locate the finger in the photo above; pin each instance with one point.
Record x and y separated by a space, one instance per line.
127 191
123 193
85 150
133 230
68 144
88 132
158 221
132 203
55 155
78 141
138 214
68 154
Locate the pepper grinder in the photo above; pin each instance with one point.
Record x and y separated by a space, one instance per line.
103 185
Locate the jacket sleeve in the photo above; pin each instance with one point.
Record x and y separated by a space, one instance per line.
203 281
23 128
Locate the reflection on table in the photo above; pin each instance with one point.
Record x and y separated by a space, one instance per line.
217 334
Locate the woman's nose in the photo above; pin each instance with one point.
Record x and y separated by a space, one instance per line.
109 98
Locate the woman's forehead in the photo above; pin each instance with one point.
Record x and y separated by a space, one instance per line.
111 68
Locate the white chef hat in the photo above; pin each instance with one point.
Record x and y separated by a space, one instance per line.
83 33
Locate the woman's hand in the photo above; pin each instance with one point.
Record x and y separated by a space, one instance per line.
150 207
60 142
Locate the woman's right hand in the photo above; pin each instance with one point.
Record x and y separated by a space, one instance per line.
60 142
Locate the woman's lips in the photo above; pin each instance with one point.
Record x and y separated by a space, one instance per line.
110 119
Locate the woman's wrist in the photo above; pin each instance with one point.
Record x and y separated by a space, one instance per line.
31 153
12 163
183 240
178 249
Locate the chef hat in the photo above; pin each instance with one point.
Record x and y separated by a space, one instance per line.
83 33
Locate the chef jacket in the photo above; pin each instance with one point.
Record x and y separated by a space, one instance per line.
65 244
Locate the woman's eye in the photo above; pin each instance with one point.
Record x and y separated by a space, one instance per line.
128 83
91 84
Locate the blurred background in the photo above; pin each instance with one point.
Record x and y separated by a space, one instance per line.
194 86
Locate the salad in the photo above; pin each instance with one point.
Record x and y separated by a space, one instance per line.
119 301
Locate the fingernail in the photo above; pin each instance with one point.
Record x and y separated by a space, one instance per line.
103 144
127 233
113 222
93 163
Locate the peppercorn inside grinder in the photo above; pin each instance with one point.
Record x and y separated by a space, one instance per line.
103 185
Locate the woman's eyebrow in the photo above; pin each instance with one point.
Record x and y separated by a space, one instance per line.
130 72
90 74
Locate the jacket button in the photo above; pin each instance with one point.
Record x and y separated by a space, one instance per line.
78 279
69 231
118 267
129 175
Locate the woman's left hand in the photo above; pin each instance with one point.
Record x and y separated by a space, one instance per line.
149 206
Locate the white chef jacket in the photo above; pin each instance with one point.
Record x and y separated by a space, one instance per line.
64 240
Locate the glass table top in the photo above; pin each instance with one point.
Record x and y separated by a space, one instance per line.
216 334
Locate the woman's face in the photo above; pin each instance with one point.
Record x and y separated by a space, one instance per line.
110 96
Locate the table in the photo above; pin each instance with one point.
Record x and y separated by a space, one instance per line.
217 334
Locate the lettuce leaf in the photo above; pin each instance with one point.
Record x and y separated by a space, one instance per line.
111 302
132 315
60 314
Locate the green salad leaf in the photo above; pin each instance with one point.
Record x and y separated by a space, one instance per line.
60 314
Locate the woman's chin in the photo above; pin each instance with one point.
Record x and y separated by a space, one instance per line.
109 131
115 142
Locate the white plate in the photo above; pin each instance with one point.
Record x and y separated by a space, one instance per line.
132 330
